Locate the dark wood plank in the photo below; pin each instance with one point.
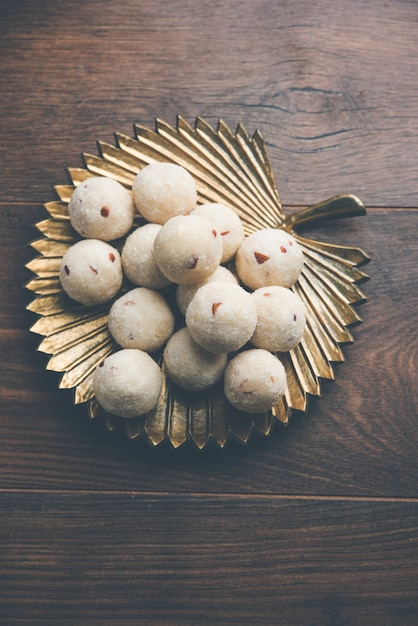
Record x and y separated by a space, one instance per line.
335 98
360 438
125 559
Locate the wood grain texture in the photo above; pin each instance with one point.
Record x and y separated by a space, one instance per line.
352 441
333 96
317 524
207 560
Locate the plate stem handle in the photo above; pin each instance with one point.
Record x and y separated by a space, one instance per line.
343 205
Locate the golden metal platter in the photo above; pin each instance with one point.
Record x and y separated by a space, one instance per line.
228 167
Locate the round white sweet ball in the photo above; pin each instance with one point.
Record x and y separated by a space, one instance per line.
91 272
187 249
138 258
127 383
189 365
163 190
254 381
228 225
221 317
185 293
141 319
281 319
269 256
101 208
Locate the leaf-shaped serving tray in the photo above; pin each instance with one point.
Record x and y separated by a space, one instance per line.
228 167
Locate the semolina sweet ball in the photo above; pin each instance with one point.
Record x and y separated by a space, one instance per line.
138 260
141 319
228 224
127 383
163 190
185 293
189 365
101 208
91 272
187 249
221 317
254 381
281 319
269 256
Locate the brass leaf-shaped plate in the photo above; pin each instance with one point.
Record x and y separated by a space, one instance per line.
232 168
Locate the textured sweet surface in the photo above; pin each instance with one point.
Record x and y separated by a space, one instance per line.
138 258
141 319
127 383
254 380
101 208
269 256
185 293
228 224
163 190
188 249
189 365
281 319
221 317
91 271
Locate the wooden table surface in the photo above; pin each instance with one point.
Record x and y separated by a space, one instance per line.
317 523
